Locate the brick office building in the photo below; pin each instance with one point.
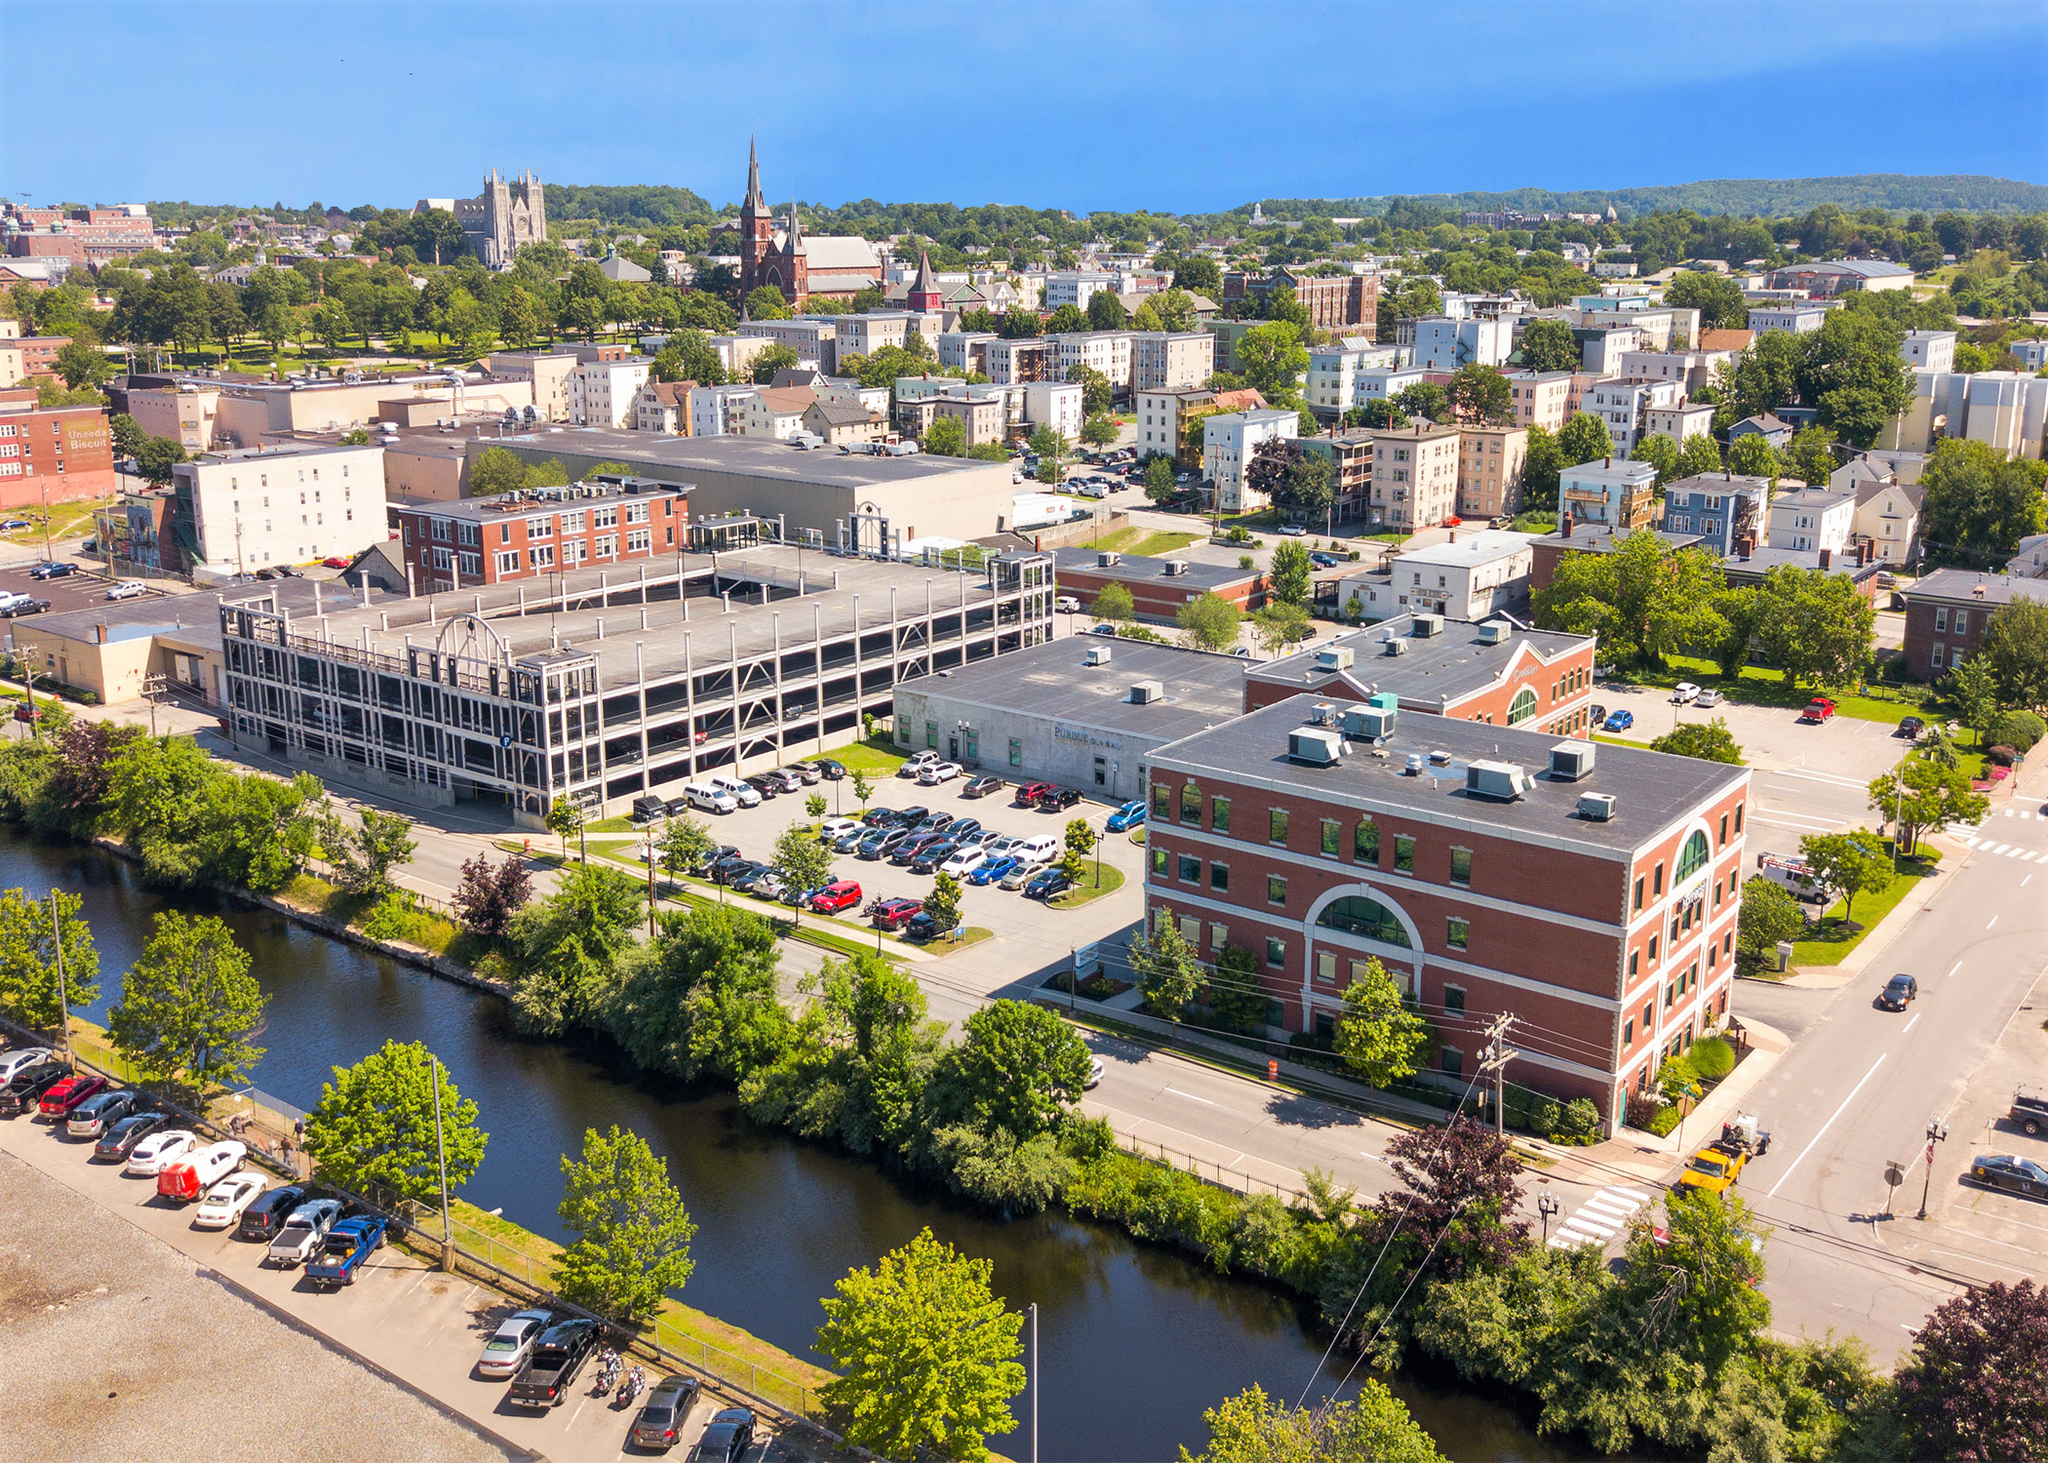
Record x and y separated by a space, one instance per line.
1490 870
1500 672
1346 302
536 532
53 453
1946 613
1159 587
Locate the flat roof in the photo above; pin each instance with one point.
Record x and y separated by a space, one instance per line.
1959 586
1444 667
1481 546
1198 688
1651 790
755 456
1138 568
501 506
1600 538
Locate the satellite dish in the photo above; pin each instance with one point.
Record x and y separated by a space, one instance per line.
1379 741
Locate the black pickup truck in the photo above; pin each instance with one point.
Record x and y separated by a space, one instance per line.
550 1372
2030 1110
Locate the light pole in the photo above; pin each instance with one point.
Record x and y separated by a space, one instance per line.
63 998
1937 1132
1032 1312
647 835
441 1161
152 687
1547 1206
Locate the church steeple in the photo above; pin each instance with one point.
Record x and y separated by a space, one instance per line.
796 230
924 291
754 202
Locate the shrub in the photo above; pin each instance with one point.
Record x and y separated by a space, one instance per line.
2019 730
1581 1123
1098 987
397 916
1545 1113
1712 1058
1677 1077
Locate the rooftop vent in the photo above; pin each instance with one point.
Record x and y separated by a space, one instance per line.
1598 807
1143 693
1439 759
1493 632
1371 723
1428 625
1414 767
1502 781
1108 559
1334 658
1097 655
1176 566
1571 761
1315 745
1323 713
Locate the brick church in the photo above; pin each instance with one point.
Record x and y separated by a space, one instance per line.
817 266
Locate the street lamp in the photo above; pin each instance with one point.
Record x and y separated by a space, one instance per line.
1547 1206
1937 1132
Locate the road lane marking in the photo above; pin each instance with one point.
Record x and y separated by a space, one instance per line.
1980 1260
1909 1024
2026 881
1773 1192
1836 779
1994 920
1955 967
1995 852
1190 1096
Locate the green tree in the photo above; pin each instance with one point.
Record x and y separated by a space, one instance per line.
766 303
1811 457
690 356
1977 502
2015 651
1852 371
1697 456
1066 320
1169 971
1584 438
155 458
363 857
1542 465
1380 1036
563 817
1425 399
814 806
1273 359
1279 625
1296 478
32 939
699 1000
128 434
943 903
374 1129
84 366
189 1005
945 437
1018 1068
777 357
495 471
1660 450
1549 345
1098 431
1762 379
1710 741
1922 796
927 1351
1972 688
685 844
1113 603
1718 298
564 951
1813 626
632 1233
1850 864
1107 312
1750 455
1159 484
862 788
1095 389
1479 393
1209 622
1290 576
1374 1426
1644 600
1708 1265
1199 275
1769 916
803 862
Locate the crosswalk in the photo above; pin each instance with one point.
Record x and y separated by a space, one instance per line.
1992 846
1600 1218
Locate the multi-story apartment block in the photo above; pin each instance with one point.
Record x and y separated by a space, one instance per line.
719 411
250 508
1348 375
663 406
1107 351
548 372
815 339
1797 318
1587 891
1445 344
601 393
1722 509
1229 439
1414 476
1350 456
1611 493
534 533
1679 422
1935 350
1077 286
1170 360
1490 470
1625 406
1349 303
1812 518
1540 398
965 350
1690 369
1471 576
1020 362
1057 404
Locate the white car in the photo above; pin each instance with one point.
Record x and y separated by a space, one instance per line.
20 1057
937 773
1685 693
835 829
966 861
128 589
159 1151
1708 698
512 1343
917 762
1094 1071
226 1200
303 1233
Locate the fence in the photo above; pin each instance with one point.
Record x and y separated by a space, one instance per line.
1217 1174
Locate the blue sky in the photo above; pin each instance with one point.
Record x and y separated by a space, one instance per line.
1184 106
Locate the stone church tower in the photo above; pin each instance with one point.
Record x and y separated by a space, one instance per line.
504 218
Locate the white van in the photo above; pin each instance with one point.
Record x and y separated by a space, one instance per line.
1066 604
710 799
1795 878
1039 849
738 791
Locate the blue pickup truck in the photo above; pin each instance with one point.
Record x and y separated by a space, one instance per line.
348 1245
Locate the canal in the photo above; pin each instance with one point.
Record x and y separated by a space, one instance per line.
1134 1341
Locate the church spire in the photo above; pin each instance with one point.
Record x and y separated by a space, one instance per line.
924 291
796 230
754 203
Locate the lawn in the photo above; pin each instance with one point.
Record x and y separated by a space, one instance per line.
876 756
1117 539
1090 888
1759 686
1166 541
1835 937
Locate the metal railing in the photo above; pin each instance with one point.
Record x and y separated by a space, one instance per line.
1208 1170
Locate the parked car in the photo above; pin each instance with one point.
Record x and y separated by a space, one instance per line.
304 1231
981 786
1898 993
850 842
917 762
128 589
345 1250
664 1413
964 861
835 896
768 884
1103 630
24 606
512 1343
1685 693
881 843
830 770
226 1200
2010 1172
767 784
57 1101
1058 800
12 525
92 1118
743 793
909 849
1708 697
158 1152
964 830
1028 792
269 1211
937 773
199 1170
334 561
122 1136
1618 721
878 818
744 881
22 1056
894 914
989 870
1047 884
730 874
558 1355
913 817
834 829
24 1091
934 856
1130 815
1818 710
2029 1110
727 1439
783 779
711 799
1292 530
25 712
55 569
1910 728
937 823
809 773
923 926
1094 1072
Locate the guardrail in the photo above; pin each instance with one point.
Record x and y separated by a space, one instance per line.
1217 1175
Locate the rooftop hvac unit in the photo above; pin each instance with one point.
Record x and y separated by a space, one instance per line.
1493 632
1176 566
1571 761
1315 745
1143 693
1097 655
1108 559
1501 781
1397 647
1371 724
1323 713
1334 658
1598 807
1428 625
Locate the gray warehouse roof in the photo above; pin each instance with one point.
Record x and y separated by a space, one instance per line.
1442 667
755 456
1132 569
1198 689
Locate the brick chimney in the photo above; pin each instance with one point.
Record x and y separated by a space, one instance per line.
1564 524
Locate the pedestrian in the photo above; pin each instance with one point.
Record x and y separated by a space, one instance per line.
299 1131
284 1154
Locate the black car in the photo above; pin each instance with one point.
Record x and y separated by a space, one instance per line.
267 1214
116 1141
1910 728
830 770
92 1118
737 873
923 927
727 1439
982 786
56 569
30 1083
1059 799
266 574
25 607
551 1371
766 784
2009 1172
879 818
1898 993
932 855
913 844
912 817
667 1409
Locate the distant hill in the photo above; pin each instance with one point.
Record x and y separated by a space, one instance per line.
1768 197
638 203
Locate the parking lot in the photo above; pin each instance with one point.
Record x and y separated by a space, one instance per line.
413 1322
70 592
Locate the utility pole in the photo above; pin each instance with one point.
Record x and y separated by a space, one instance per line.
63 996
1032 1311
152 687
1497 1056
441 1157
25 656
648 835
1937 1132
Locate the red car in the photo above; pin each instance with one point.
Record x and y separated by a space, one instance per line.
1029 792
59 1100
336 562
894 914
1819 709
839 894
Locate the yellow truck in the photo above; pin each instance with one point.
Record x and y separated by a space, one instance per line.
1716 1166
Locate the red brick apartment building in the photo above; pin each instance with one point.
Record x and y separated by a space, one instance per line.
56 454
535 532
1946 613
1588 890
1497 671
1159 587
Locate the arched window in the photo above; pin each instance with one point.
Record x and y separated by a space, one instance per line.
1356 915
1692 858
1522 707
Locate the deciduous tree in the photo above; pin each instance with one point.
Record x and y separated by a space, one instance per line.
1813 626
189 1005
2015 650
363 857
1479 393
1272 358
31 941
1584 438
1018 1068
1279 625
1923 796
632 1232
1768 917
1380 1036
1850 864
1169 973
1697 455
1710 741
1751 455
1975 1388
1549 345
1290 576
373 1128
1644 600
1373 1426
564 950
1718 298
1209 621
803 862
700 999
486 898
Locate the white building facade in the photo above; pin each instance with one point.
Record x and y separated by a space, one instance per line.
1228 441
